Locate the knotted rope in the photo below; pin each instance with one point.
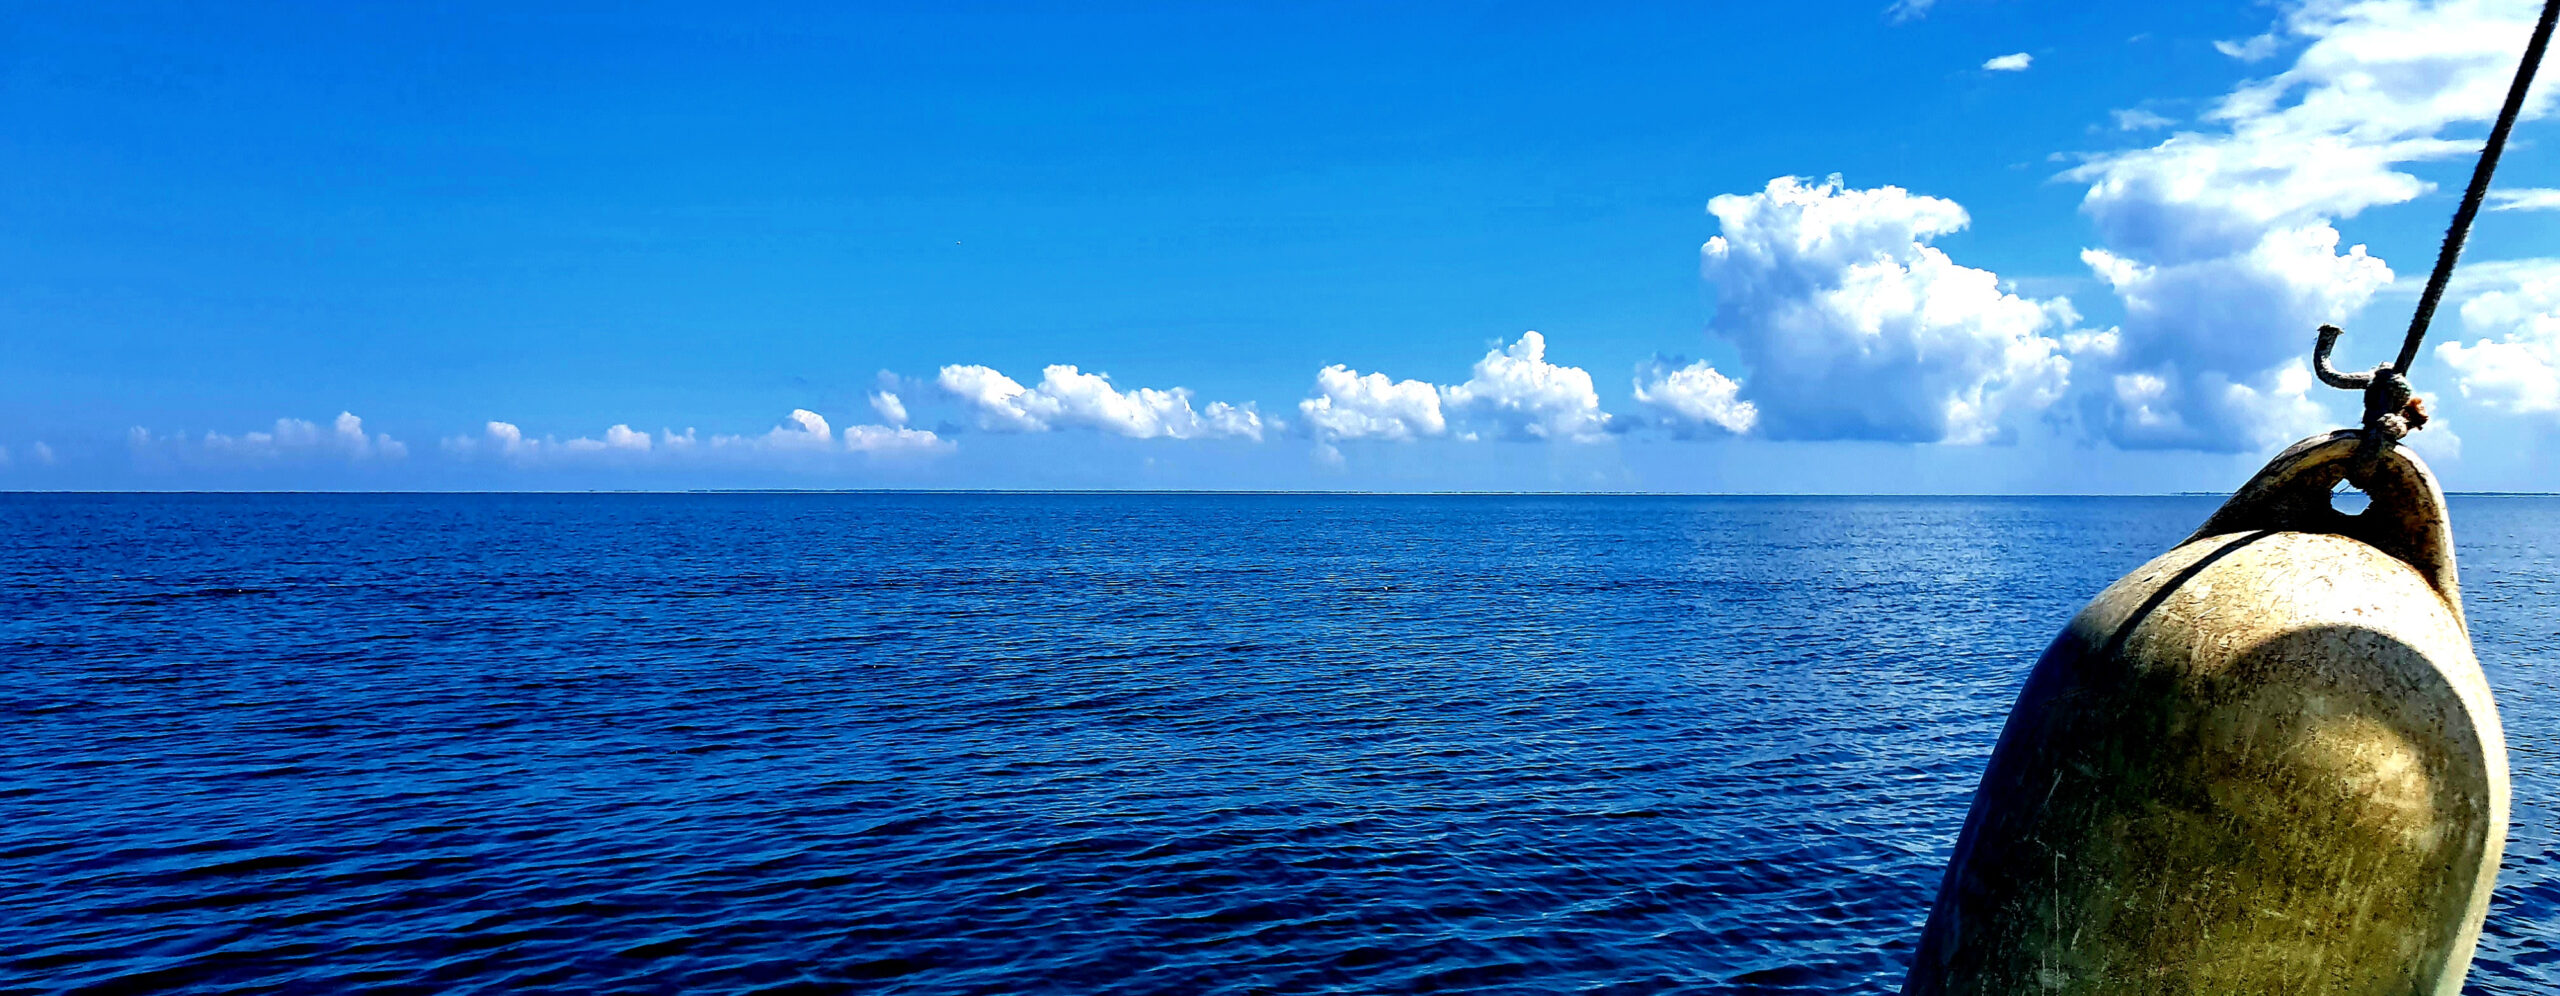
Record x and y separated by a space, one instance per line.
2391 409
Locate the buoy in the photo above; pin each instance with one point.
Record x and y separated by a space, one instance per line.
2265 762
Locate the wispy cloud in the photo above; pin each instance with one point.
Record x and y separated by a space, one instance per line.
888 407
2525 199
2258 48
2138 119
1906 11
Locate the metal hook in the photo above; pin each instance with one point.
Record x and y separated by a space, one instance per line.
2391 409
2331 375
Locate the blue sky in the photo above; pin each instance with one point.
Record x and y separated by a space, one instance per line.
462 248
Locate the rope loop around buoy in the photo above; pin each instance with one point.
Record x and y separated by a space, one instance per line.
2391 408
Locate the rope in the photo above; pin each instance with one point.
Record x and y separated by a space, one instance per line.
2479 188
2391 408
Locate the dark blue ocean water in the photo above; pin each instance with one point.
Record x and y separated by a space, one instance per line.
943 744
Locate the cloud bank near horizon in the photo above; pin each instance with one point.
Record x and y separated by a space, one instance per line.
289 441
1838 316
1067 397
803 437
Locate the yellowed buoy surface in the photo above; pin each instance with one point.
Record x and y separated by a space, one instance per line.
2264 762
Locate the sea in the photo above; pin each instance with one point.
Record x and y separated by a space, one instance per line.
943 744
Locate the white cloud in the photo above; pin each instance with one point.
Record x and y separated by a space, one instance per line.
891 439
1905 11
1002 404
2222 244
2014 62
617 439
802 429
1068 397
2514 364
1853 326
502 439
890 409
2138 119
2439 443
1691 397
621 437
1349 405
1515 393
2257 48
2525 199
2194 327
802 435
1141 413
43 453
292 440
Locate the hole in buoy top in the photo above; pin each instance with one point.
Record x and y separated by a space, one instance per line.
2349 501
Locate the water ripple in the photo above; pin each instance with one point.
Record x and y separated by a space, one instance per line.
950 744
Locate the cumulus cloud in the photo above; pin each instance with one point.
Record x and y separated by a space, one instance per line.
1689 398
2014 62
2514 363
291 440
1349 405
1001 403
2221 243
1854 327
1515 393
617 439
802 429
1142 413
621 437
802 434
1070 398
496 438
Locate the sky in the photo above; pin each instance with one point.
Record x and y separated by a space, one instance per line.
1966 246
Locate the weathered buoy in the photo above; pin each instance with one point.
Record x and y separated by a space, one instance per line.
2264 763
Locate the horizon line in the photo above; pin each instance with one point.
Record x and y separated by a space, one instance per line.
1210 492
